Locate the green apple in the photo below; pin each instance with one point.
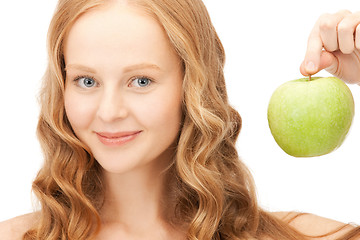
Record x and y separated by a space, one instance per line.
311 116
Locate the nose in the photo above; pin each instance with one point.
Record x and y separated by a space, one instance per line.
111 106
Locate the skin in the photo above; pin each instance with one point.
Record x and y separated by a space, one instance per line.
118 60
135 177
334 45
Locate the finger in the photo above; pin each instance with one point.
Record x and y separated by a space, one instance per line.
311 61
357 37
356 25
346 32
328 31
327 61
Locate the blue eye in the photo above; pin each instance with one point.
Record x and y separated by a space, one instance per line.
141 82
85 82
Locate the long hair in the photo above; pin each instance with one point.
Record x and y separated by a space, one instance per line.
213 194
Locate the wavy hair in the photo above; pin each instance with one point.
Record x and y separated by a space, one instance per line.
213 194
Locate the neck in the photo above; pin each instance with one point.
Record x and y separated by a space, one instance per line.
134 199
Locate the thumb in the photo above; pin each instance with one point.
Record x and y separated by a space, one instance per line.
329 62
315 63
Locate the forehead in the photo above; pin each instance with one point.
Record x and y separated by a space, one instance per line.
117 29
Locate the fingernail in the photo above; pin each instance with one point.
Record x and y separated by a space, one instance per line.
310 67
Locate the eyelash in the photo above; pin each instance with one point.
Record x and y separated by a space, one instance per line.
141 77
78 78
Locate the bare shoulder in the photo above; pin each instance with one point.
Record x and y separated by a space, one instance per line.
313 225
15 228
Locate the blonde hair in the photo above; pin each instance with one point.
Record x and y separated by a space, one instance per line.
213 191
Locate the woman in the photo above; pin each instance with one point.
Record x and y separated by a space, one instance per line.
138 135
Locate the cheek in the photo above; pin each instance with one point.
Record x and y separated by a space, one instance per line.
163 113
79 112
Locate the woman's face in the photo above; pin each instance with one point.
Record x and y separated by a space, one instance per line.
123 91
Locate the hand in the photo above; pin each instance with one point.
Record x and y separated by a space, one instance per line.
334 45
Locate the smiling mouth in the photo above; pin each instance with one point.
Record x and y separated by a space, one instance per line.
117 139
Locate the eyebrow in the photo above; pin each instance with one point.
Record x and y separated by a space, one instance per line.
126 69
80 67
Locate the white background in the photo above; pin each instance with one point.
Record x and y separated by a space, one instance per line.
265 42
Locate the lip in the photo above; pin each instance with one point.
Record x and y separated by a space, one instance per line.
117 138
